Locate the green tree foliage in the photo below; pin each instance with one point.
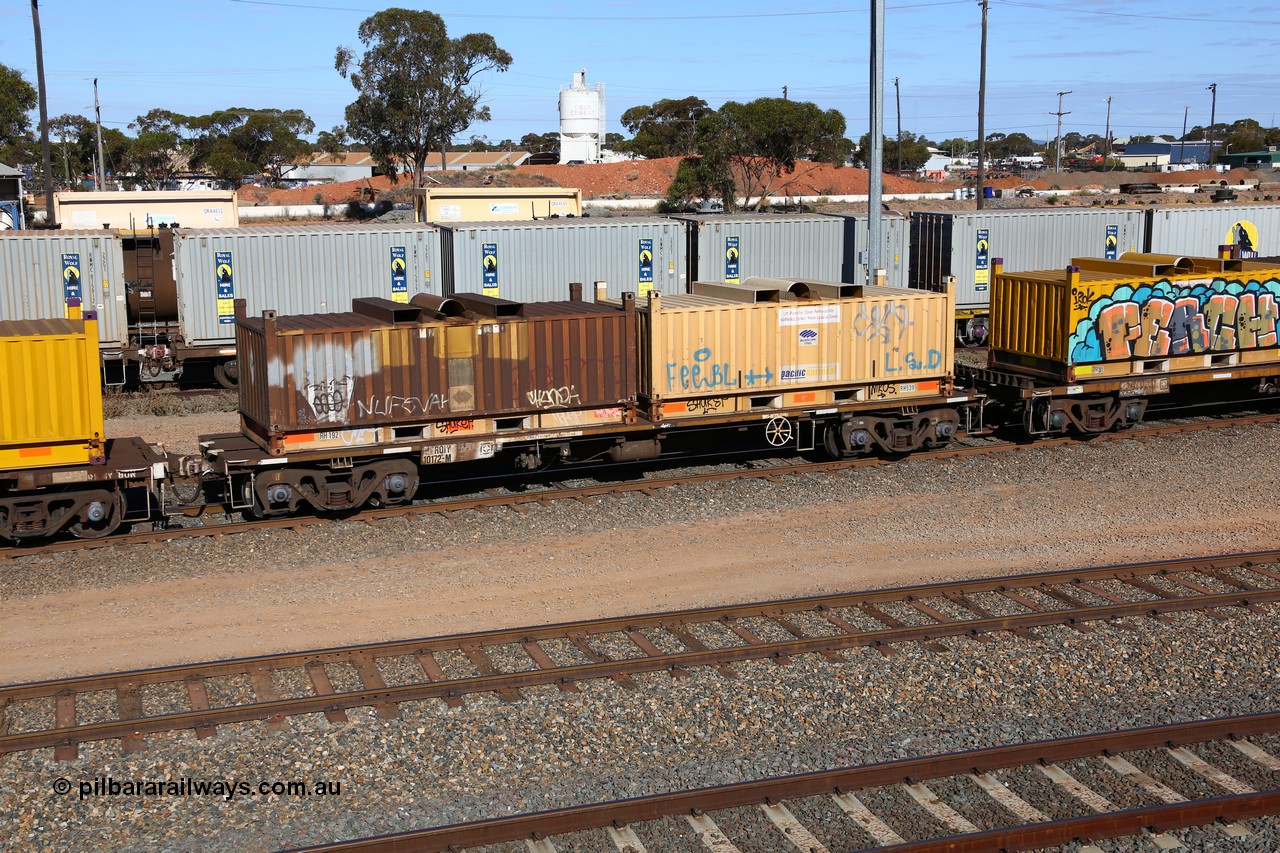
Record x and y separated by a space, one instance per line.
230 143
665 128
414 86
242 142
915 151
17 99
957 146
538 143
161 149
74 143
748 149
333 141
1000 145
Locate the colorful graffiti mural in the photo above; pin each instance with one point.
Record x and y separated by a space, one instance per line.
1174 318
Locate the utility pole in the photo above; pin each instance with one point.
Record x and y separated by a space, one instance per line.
1182 143
101 175
875 188
1108 125
44 119
982 106
1057 147
1213 117
784 93
897 97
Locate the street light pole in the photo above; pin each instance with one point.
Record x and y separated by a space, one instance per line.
1108 142
982 108
1213 118
47 160
875 188
1057 147
101 174
897 97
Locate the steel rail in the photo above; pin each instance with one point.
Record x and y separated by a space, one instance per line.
653 662
640 809
1161 818
522 499
656 619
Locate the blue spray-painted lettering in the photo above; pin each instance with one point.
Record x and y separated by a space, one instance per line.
700 374
931 361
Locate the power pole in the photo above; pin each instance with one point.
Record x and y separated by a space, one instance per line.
1108 125
1182 143
101 174
47 160
875 188
1213 117
1057 147
982 106
897 97
784 93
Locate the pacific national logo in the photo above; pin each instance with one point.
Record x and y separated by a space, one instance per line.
808 337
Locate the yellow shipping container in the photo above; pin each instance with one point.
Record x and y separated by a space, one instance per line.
1140 314
498 204
50 394
774 344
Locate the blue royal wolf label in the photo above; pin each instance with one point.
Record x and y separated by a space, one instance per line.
399 278
982 261
225 278
72 289
646 265
1113 241
732 254
490 269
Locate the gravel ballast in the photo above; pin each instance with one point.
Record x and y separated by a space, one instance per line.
1041 509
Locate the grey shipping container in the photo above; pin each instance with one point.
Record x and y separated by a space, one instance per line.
965 243
41 270
535 261
306 269
895 248
1200 229
735 247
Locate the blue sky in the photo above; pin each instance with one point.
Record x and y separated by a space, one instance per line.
1153 59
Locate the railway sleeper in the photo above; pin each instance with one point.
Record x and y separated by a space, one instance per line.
900 432
386 482
1086 415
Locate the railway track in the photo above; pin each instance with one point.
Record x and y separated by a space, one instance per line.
521 500
1036 788
200 697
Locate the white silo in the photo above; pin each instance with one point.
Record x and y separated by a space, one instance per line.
581 121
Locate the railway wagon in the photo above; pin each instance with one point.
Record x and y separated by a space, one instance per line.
1086 347
963 243
340 410
48 274
852 368
58 471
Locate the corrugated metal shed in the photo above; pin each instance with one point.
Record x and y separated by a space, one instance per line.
535 261
36 279
965 243
1200 230
296 270
735 247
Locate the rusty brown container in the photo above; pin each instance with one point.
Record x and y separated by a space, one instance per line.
386 372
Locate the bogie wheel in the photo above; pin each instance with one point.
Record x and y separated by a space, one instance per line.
227 374
99 518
